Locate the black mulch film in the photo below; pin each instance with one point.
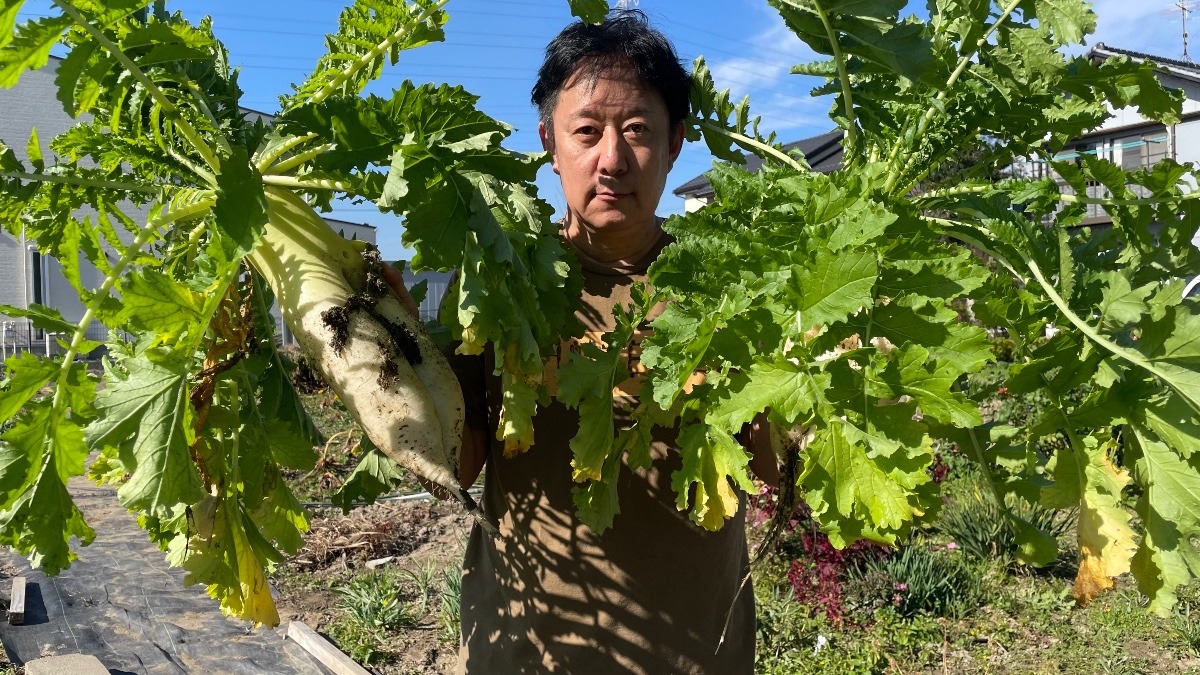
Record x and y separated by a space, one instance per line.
121 603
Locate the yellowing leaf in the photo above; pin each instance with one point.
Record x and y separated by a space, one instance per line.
711 459
221 554
854 495
1106 543
516 414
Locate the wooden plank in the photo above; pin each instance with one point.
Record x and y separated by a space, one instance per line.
16 604
323 651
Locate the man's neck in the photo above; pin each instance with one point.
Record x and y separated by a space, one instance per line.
612 246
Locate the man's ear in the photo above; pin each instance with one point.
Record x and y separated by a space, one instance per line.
547 136
676 143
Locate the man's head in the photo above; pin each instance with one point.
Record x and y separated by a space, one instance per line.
612 99
625 41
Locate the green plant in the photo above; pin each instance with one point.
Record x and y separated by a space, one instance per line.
978 527
449 600
374 600
1186 624
424 579
232 226
360 642
919 580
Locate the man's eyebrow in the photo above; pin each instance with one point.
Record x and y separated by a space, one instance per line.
596 112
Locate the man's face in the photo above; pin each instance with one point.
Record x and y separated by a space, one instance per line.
612 145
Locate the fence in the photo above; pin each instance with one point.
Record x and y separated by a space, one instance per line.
20 335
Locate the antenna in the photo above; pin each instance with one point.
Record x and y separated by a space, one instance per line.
1185 8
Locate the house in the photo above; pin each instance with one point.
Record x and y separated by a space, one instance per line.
1127 138
437 285
26 276
824 154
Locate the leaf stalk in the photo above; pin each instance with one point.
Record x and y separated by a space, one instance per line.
765 151
843 76
897 172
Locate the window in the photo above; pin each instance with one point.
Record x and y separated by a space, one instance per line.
1142 150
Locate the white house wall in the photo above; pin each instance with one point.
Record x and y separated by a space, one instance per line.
1125 117
1187 141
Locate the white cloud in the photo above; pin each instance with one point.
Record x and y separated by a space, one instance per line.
776 49
763 71
1153 27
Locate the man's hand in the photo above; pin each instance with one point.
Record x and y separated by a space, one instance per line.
756 437
395 279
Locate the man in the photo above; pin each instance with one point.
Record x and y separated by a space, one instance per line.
651 595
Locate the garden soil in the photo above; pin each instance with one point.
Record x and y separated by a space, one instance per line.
405 538
121 603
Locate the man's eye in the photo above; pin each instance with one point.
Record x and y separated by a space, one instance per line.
586 131
638 128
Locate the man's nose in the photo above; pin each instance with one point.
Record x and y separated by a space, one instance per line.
613 149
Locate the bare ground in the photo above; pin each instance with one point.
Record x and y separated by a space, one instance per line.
410 537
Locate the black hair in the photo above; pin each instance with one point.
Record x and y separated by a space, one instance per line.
625 41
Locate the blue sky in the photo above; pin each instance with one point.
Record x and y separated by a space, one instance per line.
494 48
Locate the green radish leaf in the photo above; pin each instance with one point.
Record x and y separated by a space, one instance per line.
853 495
375 475
33 152
151 404
369 34
29 47
153 301
25 375
788 391
241 209
589 11
835 286
1169 508
43 317
39 454
8 19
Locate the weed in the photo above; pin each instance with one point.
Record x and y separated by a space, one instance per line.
448 609
920 580
360 642
424 579
1186 625
373 600
981 529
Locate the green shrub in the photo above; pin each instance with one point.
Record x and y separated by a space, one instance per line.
918 580
979 528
